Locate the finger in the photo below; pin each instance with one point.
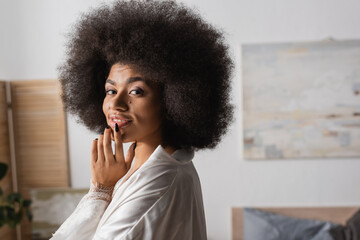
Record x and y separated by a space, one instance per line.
100 149
94 154
130 155
119 150
108 153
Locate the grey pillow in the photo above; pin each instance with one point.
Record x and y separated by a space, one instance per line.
261 225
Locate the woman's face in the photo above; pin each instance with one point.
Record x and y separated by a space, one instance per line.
133 103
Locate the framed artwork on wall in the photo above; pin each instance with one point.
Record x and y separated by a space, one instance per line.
301 100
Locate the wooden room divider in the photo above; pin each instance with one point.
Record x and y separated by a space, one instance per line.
40 138
6 183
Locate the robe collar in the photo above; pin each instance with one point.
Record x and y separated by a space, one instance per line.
181 155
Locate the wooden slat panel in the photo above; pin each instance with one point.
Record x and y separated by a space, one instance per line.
7 233
6 183
333 214
40 137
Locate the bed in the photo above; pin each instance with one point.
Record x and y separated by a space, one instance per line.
332 214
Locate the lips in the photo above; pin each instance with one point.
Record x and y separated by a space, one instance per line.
120 120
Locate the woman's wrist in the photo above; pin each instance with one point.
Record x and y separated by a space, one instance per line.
98 187
102 192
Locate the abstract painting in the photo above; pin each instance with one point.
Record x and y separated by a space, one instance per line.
301 100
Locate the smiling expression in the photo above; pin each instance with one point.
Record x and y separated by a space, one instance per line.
133 103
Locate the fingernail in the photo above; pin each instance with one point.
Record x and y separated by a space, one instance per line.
134 146
96 139
116 127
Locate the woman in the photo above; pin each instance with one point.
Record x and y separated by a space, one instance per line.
154 74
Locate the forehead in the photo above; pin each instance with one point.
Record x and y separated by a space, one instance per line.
124 74
121 74
118 68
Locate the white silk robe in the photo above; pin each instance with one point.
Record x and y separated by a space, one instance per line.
161 200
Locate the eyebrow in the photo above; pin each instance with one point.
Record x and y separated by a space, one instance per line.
128 81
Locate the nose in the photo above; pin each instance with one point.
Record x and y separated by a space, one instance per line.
119 101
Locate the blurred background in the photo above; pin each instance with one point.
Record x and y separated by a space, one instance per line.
32 45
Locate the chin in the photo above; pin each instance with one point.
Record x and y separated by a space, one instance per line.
125 138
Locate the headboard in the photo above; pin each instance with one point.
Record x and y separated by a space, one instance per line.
334 214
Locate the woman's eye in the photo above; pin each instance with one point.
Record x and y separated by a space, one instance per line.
136 91
110 92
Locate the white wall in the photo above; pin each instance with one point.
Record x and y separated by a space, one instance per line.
32 45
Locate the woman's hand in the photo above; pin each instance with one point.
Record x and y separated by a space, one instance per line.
106 168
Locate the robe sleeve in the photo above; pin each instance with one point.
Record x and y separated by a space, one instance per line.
82 223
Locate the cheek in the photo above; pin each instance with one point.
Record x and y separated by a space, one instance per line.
151 115
155 117
104 107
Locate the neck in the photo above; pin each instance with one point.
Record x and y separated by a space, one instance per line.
144 150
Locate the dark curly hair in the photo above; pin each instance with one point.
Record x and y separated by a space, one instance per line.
168 43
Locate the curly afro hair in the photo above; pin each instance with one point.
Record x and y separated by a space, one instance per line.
168 43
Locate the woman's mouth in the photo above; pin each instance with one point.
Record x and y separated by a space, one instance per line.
120 122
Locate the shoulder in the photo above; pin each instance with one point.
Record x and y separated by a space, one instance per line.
163 172
179 206
162 188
